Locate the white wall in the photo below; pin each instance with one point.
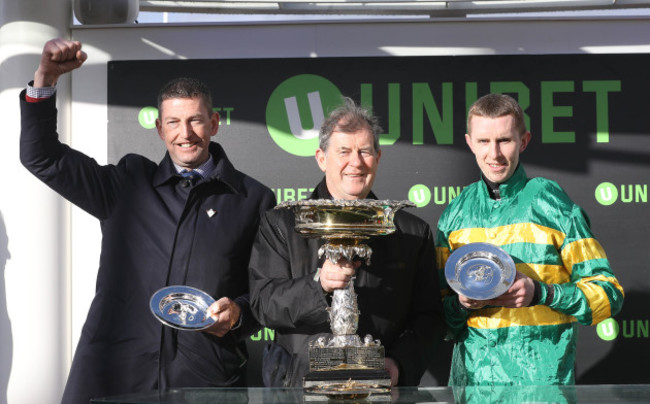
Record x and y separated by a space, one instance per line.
31 230
34 312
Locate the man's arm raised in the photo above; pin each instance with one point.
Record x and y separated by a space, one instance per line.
59 56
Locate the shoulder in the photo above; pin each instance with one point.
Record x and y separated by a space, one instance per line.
252 183
133 162
279 224
545 190
254 189
408 222
469 194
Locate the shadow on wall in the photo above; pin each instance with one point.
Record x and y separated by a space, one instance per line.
6 341
627 361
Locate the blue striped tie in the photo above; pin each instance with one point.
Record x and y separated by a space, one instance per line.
191 176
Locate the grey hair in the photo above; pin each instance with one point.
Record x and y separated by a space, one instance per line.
349 118
496 106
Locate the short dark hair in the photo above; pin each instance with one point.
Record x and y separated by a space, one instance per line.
185 87
349 118
496 106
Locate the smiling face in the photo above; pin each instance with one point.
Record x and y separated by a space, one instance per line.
186 126
349 163
496 143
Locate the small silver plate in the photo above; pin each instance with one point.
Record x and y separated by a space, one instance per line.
480 271
182 307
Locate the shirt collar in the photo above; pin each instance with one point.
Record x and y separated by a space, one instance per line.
204 169
222 171
514 184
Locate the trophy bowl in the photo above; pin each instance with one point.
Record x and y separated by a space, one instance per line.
344 219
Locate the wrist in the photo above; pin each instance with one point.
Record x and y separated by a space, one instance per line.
461 308
41 80
537 294
543 295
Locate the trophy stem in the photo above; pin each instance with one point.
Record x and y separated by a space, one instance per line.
344 316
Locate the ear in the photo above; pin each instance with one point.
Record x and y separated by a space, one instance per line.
321 159
159 128
525 140
468 140
214 122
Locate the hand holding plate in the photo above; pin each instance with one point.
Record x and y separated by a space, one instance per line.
472 304
225 314
520 293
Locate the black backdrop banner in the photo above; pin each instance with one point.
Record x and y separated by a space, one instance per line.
589 116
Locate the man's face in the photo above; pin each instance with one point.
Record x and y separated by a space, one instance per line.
350 164
186 126
496 144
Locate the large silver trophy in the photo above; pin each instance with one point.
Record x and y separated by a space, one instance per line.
337 362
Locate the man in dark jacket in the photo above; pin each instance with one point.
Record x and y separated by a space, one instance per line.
398 295
158 229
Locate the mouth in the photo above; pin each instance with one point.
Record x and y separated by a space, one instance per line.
496 166
186 145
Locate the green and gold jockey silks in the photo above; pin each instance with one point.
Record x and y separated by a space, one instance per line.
549 238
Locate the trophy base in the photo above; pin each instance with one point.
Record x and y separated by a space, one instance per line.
346 358
330 384
347 371
366 376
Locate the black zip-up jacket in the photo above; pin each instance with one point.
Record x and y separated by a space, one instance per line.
157 230
398 295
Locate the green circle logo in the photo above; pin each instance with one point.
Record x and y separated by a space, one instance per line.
296 110
607 329
606 193
147 117
420 195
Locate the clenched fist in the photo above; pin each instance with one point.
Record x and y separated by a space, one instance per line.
59 56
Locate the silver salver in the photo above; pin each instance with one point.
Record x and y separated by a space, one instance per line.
182 307
480 271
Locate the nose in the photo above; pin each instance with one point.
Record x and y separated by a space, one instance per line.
355 159
186 130
494 150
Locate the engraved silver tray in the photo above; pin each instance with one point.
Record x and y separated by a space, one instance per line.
480 271
182 307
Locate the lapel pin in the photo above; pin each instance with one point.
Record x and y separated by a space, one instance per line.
210 212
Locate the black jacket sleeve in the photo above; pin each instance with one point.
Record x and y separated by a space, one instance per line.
72 174
284 294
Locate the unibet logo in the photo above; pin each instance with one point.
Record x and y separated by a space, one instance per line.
296 110
608 329
606 193
420 195
147 117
